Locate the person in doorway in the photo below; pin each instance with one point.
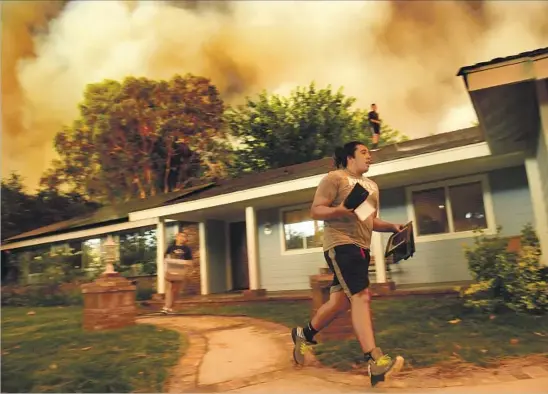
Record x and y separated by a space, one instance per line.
346 246
375 123
179 250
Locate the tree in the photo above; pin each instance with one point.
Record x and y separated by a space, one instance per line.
274 131
142 137
23 212
17 206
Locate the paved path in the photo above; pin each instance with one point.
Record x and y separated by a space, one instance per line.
246 355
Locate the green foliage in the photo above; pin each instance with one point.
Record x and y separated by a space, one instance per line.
41 295
507 279
137 252
22 211
274 131
141 137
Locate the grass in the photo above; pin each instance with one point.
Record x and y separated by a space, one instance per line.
49 352
420 329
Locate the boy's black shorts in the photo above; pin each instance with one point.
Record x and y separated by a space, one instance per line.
350 263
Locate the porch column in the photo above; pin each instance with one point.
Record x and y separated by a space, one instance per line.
540 207
537 173
160 252
380 265
252 248
378 253
204 284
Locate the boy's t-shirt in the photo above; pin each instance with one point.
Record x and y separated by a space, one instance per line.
181 252
336 186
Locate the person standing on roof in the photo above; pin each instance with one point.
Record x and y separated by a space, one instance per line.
375 123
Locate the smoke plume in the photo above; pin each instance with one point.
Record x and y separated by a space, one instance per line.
401 55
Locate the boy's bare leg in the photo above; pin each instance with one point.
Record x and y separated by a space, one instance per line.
169 294
375 140
302 337
338 302
362 320
176 290
380 366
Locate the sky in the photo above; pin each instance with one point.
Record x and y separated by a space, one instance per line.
402 55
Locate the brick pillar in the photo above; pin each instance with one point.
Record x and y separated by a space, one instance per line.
109 303
192 283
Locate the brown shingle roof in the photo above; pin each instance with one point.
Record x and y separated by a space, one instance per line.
534 53
387 153
119 213
110 214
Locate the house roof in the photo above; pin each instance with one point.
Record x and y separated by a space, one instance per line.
391 152
107 214
120 213
498 60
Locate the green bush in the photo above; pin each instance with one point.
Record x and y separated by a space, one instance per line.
40 295
144 293
504 279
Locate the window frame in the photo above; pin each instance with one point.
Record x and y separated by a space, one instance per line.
283 249
483 179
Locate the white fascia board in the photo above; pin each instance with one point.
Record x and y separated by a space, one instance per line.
88 233
518 70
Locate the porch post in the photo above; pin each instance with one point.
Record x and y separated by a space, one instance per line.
537 173
252 248
378 253
160 251
204 284
540 208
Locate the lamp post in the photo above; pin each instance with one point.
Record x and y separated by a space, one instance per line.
110 254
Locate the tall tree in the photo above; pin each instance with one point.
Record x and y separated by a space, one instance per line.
22 211
142 137
274 131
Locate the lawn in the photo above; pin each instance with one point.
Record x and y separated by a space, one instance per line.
49 352
426 331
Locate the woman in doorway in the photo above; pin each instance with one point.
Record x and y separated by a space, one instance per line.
174 280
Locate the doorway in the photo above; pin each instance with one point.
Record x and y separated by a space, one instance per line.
238 256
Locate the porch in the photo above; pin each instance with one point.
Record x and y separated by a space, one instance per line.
245 236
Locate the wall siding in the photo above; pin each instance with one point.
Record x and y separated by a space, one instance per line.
511 199
216 255
283 272
436 261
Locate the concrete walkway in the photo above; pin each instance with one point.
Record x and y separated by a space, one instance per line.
245 355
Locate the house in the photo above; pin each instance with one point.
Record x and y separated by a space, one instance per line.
255 231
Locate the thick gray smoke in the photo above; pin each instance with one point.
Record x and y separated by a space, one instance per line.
401 55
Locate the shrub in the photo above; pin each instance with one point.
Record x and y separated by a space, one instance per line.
505 279
41 295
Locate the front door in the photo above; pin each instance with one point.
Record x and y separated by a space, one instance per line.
238 256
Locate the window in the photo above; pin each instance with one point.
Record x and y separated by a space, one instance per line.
301 232
454 207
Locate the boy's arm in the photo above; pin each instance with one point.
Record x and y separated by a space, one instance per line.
324 197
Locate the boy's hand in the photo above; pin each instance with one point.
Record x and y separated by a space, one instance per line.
343 211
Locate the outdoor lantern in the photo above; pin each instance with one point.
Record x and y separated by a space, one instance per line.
110 254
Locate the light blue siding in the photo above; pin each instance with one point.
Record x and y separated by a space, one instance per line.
511 199
444 260
216 255
283 272
436 261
